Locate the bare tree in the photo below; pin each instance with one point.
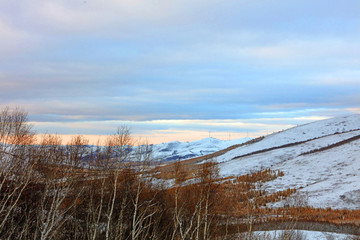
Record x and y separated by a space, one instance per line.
15 168
76 150
144 211
58 180
117 146
106 204
192 216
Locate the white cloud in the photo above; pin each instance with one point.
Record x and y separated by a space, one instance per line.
14 40
107 17
151 59
339 77
301 52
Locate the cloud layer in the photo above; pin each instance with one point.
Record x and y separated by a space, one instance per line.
140 62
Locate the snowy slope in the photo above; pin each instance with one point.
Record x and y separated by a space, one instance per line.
329 177
176 150
302 234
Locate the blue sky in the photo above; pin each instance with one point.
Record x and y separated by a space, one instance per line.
177 70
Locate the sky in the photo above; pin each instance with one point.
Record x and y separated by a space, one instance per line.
179 69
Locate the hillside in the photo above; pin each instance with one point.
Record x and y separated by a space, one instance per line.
175 150
320 159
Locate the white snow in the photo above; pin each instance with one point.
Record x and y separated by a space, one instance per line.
330 178
183 150
308 235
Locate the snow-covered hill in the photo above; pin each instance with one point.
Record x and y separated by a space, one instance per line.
170 151
320 159
176 150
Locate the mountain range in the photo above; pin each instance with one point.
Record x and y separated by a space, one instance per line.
175 150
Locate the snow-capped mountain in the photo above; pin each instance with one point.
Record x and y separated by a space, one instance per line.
320 159
172 151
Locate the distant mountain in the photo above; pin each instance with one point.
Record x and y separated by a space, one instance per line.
320 159
170 151
173 151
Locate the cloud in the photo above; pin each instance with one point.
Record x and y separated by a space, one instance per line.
348 77
173 126
158 130
79 62
109 18
14 40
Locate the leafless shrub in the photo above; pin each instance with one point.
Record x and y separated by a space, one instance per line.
299 199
